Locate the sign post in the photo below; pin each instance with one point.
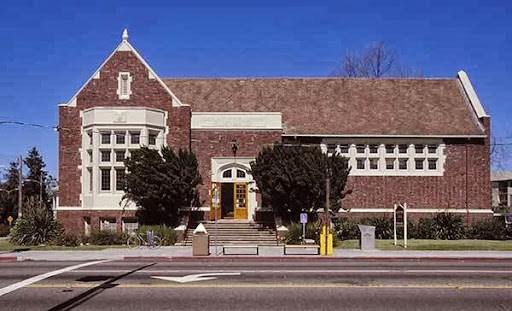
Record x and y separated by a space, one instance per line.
303 221
400 219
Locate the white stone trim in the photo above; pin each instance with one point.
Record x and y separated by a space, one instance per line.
236 120
470 92
120 85
126 46
95 209
420 210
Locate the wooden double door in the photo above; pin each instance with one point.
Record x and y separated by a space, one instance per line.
230 199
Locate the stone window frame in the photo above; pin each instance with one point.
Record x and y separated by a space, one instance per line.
403 148
124 82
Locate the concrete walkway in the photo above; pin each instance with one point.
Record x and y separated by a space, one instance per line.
185 252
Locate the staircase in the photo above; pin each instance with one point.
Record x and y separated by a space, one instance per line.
236 232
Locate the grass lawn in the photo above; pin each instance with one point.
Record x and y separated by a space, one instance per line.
5 246
435 245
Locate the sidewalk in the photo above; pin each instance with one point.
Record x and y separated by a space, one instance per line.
265 252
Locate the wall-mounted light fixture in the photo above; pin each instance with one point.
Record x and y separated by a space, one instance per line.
234 146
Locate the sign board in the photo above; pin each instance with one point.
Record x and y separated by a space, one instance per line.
399 214
303 218
400 219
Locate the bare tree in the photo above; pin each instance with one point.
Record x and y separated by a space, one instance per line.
377 60
501 153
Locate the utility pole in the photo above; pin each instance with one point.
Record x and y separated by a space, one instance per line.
20 186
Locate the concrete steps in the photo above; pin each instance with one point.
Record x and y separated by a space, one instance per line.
236 232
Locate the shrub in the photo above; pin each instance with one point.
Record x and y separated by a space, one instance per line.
449 226
37 226
346 228
105 237
294 234
167 234
4 230
383 226
488 229
67 239
426 228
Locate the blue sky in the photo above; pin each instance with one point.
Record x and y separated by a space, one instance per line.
50 48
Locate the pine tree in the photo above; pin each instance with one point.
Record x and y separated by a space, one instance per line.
9 193
34 184
161 183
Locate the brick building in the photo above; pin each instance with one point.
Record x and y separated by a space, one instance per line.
420 141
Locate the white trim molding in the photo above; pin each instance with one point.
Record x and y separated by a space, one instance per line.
470 92
236 121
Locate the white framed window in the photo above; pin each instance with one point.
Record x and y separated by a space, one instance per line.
120 175
105 179
105 138
108 224
124 85
432 164
390 164
135 138
227 174
390 149
130 225
120 155
373 148
152 139
402 164
418 164
374 163
361 163
419 149
360 148
89 173
105 155
120 138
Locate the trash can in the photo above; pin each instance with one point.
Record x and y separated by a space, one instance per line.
367 241
200 241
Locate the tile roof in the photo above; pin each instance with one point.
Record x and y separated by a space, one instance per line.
340 106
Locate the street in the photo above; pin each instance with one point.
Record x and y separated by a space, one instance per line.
258 285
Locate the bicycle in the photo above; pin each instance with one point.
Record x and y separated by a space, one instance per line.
137 240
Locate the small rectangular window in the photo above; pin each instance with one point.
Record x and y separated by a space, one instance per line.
89 136
108 224
89 172
120 138
120 179
105 138
402 164
390 149
360 148
432 164
361 163
419 149
390 164
152 139
120 156
374 164
135 138
419 163
130 225
343 149
105 179
105 156
402 148
432 149
89 154
374 148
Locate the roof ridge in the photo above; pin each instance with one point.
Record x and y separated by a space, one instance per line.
305 78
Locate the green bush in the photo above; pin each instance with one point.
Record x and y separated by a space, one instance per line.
167 234
346 228
294 234
105 237
69 239
36 227
488 229
449 226
383 226
425 228
4 230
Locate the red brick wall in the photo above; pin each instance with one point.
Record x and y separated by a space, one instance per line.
73 221
465 183
103 92
209 144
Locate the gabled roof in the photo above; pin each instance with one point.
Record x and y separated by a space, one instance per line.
343 106
126 46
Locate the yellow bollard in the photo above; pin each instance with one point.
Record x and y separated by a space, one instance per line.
323 240
329 244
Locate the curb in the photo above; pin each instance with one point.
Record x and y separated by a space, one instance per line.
8 259
306 258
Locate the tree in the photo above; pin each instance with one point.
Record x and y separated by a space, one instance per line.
377 60
9 193
292 179
161 183
35 182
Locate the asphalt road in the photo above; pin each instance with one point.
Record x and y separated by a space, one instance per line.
257 285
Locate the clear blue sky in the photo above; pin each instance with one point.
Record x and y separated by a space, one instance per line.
49 49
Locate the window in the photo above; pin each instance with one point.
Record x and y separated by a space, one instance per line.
360 163
502 193
135 138
402 164
374 164
343 149
240 174
152 139
390 164
432 149
374 148
120 179
120 138
227 174
124 85
87 225
89 136
419 148
89 155
105 179
402 148
89 172
105 138
105 156
390 149
120 156
130 225
108 224
419 164
432 164
360 148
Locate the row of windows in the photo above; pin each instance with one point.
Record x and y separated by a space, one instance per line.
393 163
110 224
389 148
105 179
121 138
229 174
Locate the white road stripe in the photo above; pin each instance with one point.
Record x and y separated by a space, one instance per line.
40 277
301 271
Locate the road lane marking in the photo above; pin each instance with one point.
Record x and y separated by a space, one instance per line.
304 271
256 285
43 276
194 277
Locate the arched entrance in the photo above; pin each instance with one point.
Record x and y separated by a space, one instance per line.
230 187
